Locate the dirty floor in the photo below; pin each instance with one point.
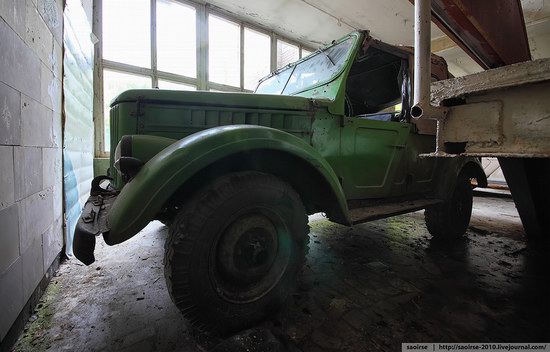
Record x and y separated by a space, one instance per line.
364 289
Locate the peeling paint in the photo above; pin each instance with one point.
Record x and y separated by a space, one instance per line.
6 114
50 14
337 18
523 129
529 72
53 90
53 61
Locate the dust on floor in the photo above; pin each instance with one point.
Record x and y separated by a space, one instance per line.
369 288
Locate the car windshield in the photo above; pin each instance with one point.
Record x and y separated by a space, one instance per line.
319 67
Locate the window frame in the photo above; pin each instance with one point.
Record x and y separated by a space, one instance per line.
200 81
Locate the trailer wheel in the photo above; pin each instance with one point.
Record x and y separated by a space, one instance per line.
234 251
449 220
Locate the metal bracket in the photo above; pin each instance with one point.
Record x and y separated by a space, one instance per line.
96 186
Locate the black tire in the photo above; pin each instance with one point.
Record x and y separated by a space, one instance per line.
234 251
449 220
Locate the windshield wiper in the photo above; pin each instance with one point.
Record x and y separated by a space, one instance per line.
328 57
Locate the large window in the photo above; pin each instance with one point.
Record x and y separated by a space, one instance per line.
286 53
257 57
224 51
163 84
114 83
176 38
306 52
178 45
127 37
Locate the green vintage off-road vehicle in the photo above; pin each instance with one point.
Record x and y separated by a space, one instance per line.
235 175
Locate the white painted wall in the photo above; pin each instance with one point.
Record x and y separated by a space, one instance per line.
31 217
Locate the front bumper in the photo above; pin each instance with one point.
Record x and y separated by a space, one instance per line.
93 221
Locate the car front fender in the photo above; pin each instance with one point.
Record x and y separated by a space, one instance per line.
144 196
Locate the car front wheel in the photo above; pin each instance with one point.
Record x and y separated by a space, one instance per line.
234 251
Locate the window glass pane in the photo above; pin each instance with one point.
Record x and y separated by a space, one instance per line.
319 67
275 84
127 31
286 53
224 59
305 52
175 85
257 57
115 83
176 38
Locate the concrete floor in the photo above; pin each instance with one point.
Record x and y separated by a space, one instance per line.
363 289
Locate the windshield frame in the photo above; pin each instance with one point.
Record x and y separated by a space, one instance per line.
292 66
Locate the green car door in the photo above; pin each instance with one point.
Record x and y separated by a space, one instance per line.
372 151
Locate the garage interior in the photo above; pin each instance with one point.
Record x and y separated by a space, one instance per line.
366 288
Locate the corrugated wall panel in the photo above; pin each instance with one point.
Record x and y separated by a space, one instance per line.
78 134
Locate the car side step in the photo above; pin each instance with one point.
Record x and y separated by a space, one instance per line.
379 211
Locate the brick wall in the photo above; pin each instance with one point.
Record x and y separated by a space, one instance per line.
31 209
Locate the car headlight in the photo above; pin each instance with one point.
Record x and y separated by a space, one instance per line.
126 165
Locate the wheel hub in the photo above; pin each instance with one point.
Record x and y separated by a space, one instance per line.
247 249
253 254
249 259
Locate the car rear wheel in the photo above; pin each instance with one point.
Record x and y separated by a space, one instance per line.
449 220
234 251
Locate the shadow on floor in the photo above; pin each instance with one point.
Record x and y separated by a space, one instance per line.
369 288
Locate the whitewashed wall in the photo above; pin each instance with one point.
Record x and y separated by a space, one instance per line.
31 207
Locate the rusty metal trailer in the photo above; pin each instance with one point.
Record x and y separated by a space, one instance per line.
503 112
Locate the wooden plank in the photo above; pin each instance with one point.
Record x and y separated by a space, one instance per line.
496 79
485 29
